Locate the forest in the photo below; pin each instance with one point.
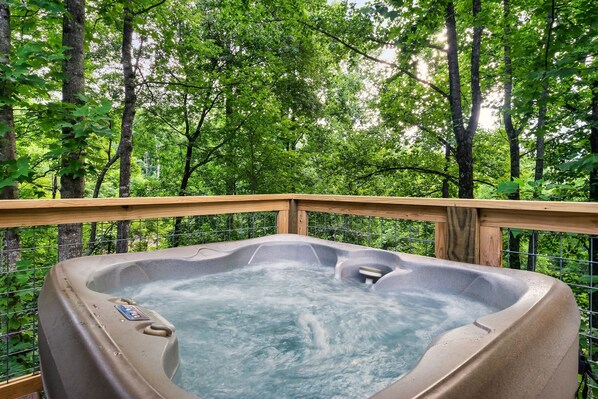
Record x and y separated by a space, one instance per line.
433 98
487 99
179 97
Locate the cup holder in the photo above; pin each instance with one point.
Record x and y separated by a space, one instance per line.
361 271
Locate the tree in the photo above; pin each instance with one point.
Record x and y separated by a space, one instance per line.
464 135
72 179
126 130
540 128
8 145
128 115
411 35
512 132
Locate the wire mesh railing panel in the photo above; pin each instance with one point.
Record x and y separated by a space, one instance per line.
573 259
25 262
383 233
23 267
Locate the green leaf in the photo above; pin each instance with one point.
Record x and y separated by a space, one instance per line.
4 128
515 232
104 107
22 166
586 278
24 264
563 73
507 187
81 111
587 163
7 183
22 279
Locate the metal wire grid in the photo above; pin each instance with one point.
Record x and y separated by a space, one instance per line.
21 282
152 234
573 259
383 233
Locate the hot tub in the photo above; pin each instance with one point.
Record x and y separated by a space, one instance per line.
97 345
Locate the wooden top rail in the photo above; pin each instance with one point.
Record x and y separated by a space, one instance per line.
18 213
430 213
550 206
573 217
116 202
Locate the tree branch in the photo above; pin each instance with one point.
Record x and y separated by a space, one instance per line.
378 60
420 170
429 45
550 27
213 150
208 157
442 140
202 118
411 168
111 161
149 8
186 85
172 126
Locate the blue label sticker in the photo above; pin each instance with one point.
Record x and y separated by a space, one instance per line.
131 312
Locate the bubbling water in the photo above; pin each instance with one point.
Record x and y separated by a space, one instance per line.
290 330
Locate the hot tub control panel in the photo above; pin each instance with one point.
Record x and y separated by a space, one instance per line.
131 312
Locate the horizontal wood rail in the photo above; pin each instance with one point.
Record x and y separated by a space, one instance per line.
549 206
465 230
19 213
22 387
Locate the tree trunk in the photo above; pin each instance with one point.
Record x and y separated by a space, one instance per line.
72 183
476 92
538 171
178 222
594 141
447 162
188 169
126 133
593 255
512 133
540 127
229 159
91 245
543 109
463 135
11 252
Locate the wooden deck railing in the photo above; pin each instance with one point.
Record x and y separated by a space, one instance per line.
465 230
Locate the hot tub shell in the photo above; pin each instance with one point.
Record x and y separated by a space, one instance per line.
528 349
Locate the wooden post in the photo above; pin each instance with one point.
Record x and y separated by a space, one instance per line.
293 216
490 246
302 222
462 234
440 233
282 222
